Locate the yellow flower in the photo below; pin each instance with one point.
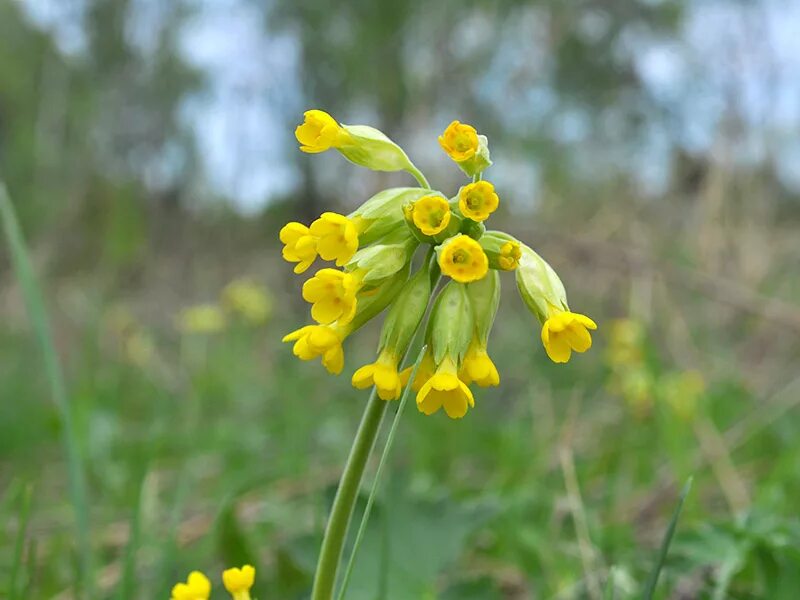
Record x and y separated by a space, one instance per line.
431 214
564 332
299 245
319 132
248 299
460 141
324 341
239 581
382 374
203 318
478 367
426 370
463 259
332 295
446 390
510 253
337 237
197 587
478 200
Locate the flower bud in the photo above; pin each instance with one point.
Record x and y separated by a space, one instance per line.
451 323
503 251
385 258
383 213
484 297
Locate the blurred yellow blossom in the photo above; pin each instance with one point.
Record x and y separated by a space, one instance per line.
682 392
202 318
248 299
197 587
239 581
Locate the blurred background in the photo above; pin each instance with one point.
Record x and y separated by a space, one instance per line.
648 149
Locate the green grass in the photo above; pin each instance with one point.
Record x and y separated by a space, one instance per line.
226 448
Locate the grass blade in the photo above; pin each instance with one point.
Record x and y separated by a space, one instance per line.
19 545
384 455
611 584
34 303
662 557
126 584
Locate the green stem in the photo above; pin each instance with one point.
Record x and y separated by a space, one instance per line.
417 174
373 492
342 510
37 313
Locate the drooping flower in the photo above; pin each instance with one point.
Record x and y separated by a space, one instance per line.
382 374
565 331
299 245
336 236
239 581
462 259
323 341
332 295
319 132
459 141
477 201
197 587
478 367
431 214
445 390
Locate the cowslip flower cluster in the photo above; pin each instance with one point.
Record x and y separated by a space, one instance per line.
375 249
237 582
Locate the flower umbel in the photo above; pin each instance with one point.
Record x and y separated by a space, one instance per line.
239 581
462 259
478 200
564 332
197 587
431 214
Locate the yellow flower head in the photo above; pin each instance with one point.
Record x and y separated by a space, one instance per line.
460 141
325 341
319 132
239 581
446 390
197 587
463 259
382 374
299 245
478 200
332 295
564 332
203 318
431 214
337 237
248 299
510 253
478 367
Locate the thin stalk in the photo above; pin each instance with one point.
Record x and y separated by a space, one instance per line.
662 555
417 174
342 510
373 492
19 545
34 303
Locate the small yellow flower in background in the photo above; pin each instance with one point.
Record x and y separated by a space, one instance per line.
478 200
203 318
248 299
459 141
239 581
462 259
323 341
625 342
332 295
431 214
445 390
382 374
197 587
319 132
478 367
564 332
682 391
337 237
299 245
